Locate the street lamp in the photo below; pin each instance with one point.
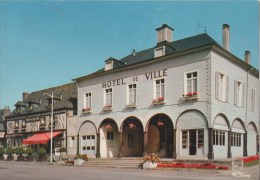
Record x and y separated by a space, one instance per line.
51 120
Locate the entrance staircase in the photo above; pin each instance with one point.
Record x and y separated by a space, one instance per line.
133 163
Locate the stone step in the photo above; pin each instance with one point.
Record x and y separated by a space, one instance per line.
115 162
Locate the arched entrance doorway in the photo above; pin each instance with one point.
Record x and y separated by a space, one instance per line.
132 137
108 138
192 130
252 141
160 136
221 128
238 135
87 139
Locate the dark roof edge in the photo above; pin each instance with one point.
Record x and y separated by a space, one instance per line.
55 87
36 113
237 60
214 46
153 60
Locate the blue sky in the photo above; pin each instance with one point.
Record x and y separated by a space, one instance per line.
48 43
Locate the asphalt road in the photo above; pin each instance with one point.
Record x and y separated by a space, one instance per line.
10 170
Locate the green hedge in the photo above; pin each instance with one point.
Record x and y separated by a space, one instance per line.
2 151
41 152
9 151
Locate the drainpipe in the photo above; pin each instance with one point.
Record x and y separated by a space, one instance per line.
247 77
245 135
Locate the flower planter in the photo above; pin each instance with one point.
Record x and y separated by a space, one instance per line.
130 106
78 162
158 103
149 165
190 98
63 154
86 111
15 157
5 157
107 108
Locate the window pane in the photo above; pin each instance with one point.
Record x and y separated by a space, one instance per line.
184 139
195 74
189 75
194 85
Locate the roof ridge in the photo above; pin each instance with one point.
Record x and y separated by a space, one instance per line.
55 87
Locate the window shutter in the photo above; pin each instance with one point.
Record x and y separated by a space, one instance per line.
253 99
227 88
217 85
243 95
235 92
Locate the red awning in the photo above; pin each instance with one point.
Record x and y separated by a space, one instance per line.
41 138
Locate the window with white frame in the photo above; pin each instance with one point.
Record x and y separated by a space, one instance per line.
191 82
239 93
236 139
222 86
88 101
132 94
72 141
219 138
159 89
108 97
253 97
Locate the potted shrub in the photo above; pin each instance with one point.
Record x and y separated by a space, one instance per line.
9 151
20 151
2 151
63 152
35 156
29 151
41 152
151 161
80 159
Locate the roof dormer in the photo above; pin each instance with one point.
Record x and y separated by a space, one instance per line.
20 106
109 63
32 105
112 63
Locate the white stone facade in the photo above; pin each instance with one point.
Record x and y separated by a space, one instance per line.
158 114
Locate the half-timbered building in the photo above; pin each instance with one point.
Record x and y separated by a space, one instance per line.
32 117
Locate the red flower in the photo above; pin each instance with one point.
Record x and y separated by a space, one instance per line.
85 109
195 93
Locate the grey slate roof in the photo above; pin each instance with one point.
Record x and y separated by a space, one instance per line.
67 95
171 48
2 120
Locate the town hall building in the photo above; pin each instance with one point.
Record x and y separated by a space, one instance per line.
182 99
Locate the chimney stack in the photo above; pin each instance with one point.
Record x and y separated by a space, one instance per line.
6 111
247 57
225 36
164 33
25 95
